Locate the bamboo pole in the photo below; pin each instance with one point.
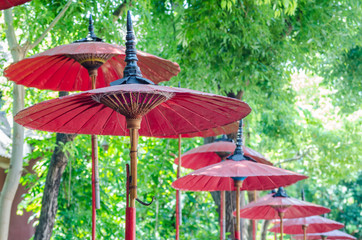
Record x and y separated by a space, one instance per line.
304 227
281 215
254 221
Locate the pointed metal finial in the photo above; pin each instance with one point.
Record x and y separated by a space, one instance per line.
91 37
302 194
239 153
281 193
131 73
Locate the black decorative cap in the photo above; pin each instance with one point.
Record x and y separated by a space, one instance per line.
91 37
239 153
223 138
131 73
281 193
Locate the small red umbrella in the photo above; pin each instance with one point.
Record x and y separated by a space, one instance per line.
86 64
313 224
135 107
5 4
280 205
238 172
212 153
335 234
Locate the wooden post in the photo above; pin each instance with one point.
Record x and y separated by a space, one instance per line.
304 227
222 215
281 215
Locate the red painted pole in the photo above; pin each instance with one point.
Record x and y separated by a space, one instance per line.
93 191
177 191
222 215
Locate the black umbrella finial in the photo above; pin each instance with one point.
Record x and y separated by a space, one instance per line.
131 73
91 37
281 193
239 153
302 194
224 138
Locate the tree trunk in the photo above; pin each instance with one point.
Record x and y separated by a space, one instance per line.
51 190
264 230
16 161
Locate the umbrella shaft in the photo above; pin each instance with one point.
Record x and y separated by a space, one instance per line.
133 153
222 215
281 215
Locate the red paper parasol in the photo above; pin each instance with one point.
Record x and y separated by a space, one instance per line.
5 4
238 172
314 224
336 234
280 205
212 153
136 107
68 67
86 64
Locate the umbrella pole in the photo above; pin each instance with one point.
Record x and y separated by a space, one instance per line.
222 215
281 215
133 125
178 193
95 175
238 185
304 227
253 221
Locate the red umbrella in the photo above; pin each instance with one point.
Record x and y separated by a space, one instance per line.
280 205
70 67
212 153
336 234
5 4
314 224
136 107
238 172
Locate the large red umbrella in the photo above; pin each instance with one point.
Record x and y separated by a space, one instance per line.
335 234
238 172
280 205
136 107
212 153
5 4
313 224
86 64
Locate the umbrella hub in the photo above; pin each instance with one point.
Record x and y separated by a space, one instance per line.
91 61
281 193
133 105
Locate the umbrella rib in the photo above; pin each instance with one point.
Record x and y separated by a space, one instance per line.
165 118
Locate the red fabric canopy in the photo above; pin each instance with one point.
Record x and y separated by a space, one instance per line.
185 111
5 4
217 177
56 69
268 207
336 234
315 224
207 154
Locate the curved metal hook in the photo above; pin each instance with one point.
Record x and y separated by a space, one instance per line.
146 204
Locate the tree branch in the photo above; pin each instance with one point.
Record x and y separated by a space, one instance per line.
297 157
51 25
120 9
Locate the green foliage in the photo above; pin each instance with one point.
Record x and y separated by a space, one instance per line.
226 47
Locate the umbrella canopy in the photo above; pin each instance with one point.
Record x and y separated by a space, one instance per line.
68 67
5 4
165 111
314 224
280 205
336 234
209 154
219 177
269 206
